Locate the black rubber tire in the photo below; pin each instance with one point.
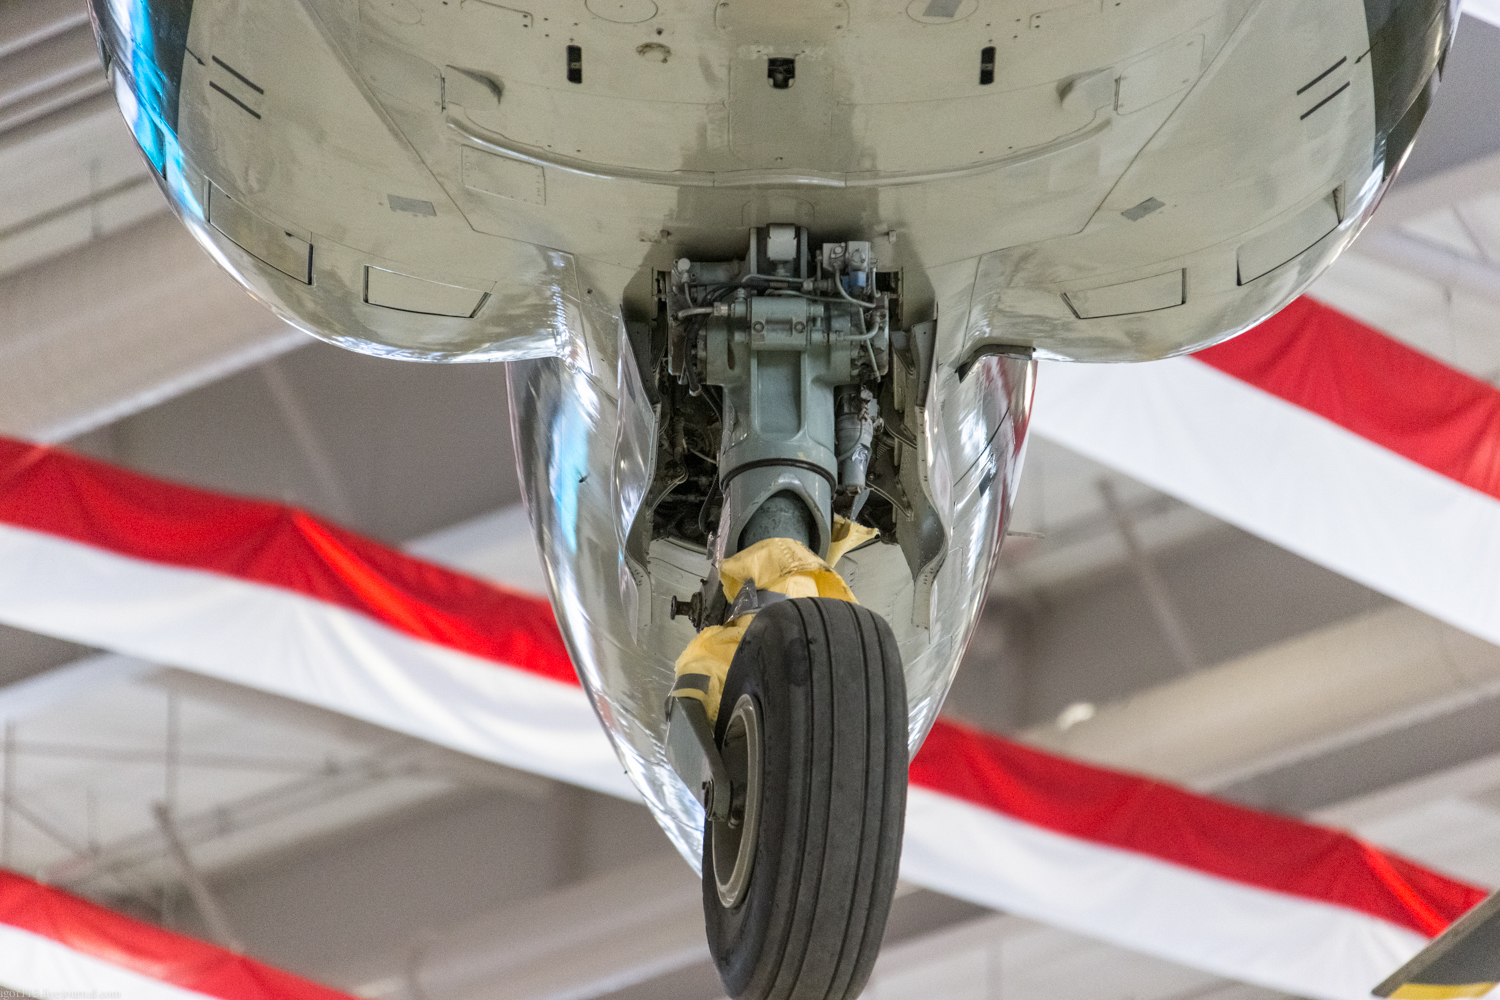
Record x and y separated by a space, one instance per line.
826 678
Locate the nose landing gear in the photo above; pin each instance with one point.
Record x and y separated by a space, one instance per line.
801 761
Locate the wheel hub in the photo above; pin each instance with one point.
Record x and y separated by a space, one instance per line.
734 838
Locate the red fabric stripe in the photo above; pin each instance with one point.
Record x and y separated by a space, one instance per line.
67 495
1148 817
160 954
1375 386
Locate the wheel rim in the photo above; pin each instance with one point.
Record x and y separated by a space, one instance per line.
734 839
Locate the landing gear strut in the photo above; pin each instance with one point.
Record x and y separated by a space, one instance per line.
801 762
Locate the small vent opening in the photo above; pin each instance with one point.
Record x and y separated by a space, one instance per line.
575 63
986 65
781 72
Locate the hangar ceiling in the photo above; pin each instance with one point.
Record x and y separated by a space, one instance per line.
345 852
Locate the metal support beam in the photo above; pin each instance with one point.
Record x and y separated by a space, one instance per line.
152 312
197 759
1428 260
411 759
171 763
1411 200
1152 585
30 22
606 934
7 795
12 806
319 461
204 900
262 807
1291 702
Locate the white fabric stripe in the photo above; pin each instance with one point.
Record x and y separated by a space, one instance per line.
1287 475
298 647
47 970
1255 935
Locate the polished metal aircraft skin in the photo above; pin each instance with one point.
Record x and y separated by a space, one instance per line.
465 180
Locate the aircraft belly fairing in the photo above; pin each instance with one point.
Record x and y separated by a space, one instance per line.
1118 144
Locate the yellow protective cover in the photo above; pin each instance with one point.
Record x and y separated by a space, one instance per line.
781 565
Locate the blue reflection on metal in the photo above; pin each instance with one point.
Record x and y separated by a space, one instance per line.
568 468
147 95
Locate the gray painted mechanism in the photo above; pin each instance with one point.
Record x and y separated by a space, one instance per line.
797 330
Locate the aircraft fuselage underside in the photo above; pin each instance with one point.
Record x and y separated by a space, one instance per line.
767 269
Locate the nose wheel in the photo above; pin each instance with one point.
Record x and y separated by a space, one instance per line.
798 877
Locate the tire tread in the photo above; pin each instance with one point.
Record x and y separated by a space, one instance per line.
836 860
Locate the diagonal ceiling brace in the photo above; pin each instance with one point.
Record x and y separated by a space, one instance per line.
204 900
1154 587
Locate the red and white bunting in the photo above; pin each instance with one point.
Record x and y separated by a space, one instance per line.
1249 895
273 598
1321 435
53 944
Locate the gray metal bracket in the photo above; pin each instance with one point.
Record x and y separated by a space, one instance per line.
750 599
694 756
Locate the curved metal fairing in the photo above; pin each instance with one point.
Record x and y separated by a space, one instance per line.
578 455
434 181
